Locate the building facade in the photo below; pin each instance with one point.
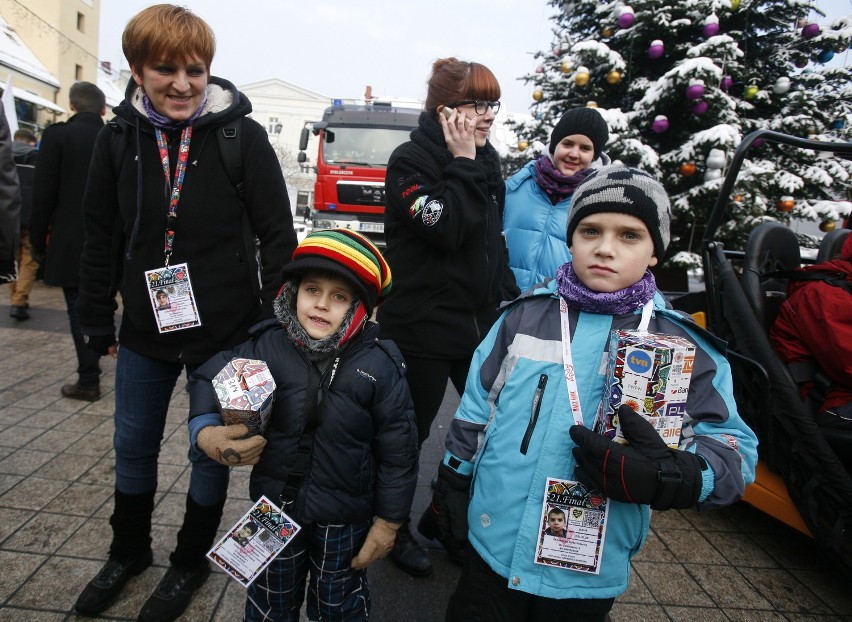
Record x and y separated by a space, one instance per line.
47 46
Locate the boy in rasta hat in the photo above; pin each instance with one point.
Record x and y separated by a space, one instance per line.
530 402
341 392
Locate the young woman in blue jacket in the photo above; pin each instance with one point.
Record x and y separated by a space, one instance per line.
538 197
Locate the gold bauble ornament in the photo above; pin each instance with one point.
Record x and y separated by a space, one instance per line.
538 95
614 76
591 104
608 31
523 145
827 225
567 66
751 91
581 78
735 5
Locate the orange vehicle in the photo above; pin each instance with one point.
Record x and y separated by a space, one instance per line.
800 479
355 143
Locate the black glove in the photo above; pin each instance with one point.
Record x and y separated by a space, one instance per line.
646 471
449 503
99 343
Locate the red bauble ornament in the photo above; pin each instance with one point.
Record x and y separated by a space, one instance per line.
687 169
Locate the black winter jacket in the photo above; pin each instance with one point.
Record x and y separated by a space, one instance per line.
125 211
443 227
364 457
65 153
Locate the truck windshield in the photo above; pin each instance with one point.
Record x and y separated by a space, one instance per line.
365 146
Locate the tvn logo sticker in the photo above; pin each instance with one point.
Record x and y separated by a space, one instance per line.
639 362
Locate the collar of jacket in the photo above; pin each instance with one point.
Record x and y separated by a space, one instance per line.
430 136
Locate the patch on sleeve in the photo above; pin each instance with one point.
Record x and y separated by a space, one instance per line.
432 212
417 205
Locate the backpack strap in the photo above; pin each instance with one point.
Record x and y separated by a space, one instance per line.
228 137
232 157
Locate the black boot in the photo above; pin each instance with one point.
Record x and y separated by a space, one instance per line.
129 553
409 555
189 566
428 527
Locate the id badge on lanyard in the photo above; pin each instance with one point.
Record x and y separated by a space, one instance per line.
170 288
572 528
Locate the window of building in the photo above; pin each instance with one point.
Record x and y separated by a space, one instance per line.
78 72
274 126
81 22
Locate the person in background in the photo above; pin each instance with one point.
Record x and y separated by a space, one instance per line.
443 221
538 197
56 225
362 458
513 431
813 330
160 208
24 153
10 204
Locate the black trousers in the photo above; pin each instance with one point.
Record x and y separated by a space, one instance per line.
482 595
427 381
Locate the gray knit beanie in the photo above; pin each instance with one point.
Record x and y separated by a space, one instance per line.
624 190
585 121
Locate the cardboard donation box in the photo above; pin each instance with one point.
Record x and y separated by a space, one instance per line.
650 373
245 389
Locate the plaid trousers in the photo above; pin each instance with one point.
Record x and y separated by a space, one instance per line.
336 592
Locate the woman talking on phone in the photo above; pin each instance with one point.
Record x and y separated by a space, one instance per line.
443 223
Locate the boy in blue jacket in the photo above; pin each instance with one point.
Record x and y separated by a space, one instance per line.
530 402
341 443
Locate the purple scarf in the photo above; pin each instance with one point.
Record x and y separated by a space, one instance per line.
165 123
627 300
556 185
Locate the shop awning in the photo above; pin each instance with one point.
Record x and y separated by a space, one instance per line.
35 99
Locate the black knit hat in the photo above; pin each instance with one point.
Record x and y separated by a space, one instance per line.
624 190
585 121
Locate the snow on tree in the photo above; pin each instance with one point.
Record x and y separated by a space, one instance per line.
680 84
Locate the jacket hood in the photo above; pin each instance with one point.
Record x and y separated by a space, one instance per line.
224 102
21 149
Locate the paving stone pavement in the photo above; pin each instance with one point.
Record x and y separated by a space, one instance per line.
56 483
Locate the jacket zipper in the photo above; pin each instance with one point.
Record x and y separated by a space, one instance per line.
536 408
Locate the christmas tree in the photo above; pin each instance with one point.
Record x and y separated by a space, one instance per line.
680 84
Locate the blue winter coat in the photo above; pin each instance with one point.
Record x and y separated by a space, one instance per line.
534 229
519 364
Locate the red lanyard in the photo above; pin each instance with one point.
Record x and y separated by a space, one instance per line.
180 171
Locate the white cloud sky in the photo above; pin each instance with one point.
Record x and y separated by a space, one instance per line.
337 47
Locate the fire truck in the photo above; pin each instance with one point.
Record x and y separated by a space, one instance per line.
354 146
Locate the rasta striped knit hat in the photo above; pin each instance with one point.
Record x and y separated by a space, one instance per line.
348 254
624 190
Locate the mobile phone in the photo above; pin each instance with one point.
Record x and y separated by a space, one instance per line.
447 111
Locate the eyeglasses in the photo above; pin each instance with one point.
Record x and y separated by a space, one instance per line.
479 105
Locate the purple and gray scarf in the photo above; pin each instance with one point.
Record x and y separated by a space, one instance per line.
556 185
578 296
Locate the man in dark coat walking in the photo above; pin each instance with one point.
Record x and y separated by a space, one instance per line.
56 223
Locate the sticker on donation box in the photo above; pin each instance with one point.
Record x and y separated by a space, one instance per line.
172 298
572 528
254 541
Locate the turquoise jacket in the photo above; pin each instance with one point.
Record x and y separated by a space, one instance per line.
510 453
534 229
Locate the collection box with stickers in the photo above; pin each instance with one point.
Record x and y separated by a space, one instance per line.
245 390
650 373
